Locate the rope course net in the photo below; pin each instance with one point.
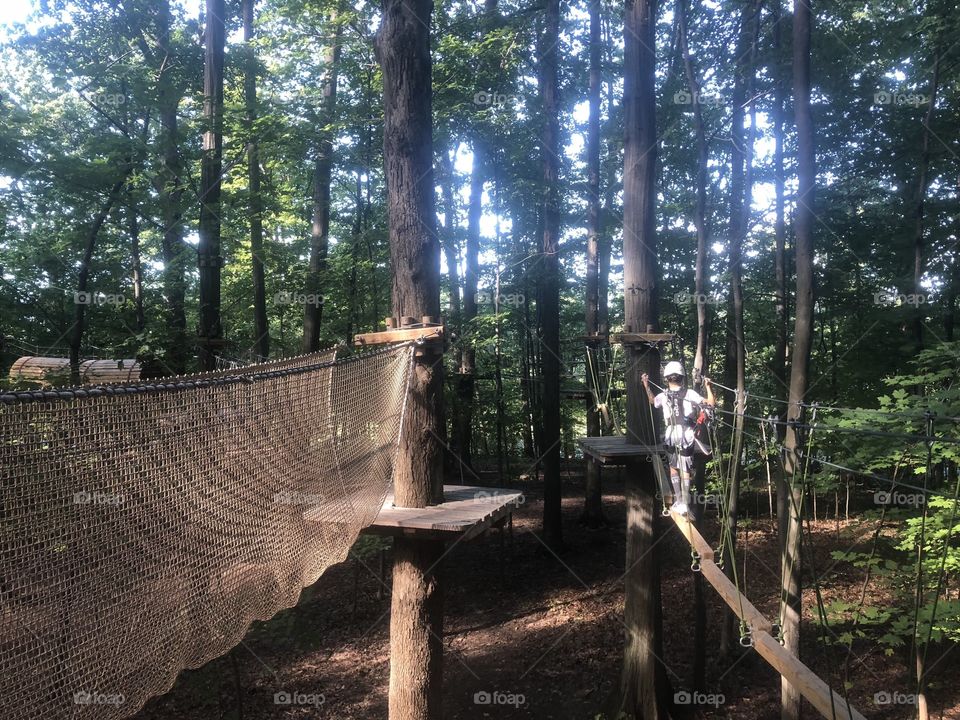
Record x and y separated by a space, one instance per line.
143 527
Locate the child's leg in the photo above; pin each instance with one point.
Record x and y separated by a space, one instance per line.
675 478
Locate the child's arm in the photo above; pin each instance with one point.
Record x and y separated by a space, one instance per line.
646 386
708 388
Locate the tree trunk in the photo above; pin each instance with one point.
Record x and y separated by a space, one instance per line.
211 162
133 227
416 625
592 515
260 323
465 380
320 230
170 190
550 278
779 365
919 203
740 195
82 296
451 250
643 690
802 341
700 359
700 211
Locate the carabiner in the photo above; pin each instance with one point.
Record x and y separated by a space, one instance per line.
746 639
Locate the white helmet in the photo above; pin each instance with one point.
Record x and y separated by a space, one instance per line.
673 368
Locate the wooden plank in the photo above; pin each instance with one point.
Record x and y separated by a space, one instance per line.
467 511
693 537
741 607
829 703
610 449
416 332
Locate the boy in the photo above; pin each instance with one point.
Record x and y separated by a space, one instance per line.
680 408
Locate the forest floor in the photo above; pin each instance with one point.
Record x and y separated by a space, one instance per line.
544 631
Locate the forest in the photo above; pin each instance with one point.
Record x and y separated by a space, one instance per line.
763 192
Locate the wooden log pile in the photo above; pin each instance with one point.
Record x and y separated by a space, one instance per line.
49 371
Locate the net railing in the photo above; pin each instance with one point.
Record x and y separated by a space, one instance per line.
143 527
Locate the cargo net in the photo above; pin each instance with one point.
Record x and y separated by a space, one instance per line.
144 527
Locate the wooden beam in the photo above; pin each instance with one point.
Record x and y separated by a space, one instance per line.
416 332
827 702
635 338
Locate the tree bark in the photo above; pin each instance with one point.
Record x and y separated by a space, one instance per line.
211 165
550 278
802 341
643 689
592 515
260 322
416 625
320 230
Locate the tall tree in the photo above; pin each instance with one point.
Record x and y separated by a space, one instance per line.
777 72
416 621
211 166
919 199
643 683
791 598
741 155
261 326
593 504
320 230
549 297
466 380
700 358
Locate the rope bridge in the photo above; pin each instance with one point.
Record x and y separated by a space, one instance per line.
143 527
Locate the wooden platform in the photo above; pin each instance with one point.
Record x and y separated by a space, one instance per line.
614 449
829 703
467 512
